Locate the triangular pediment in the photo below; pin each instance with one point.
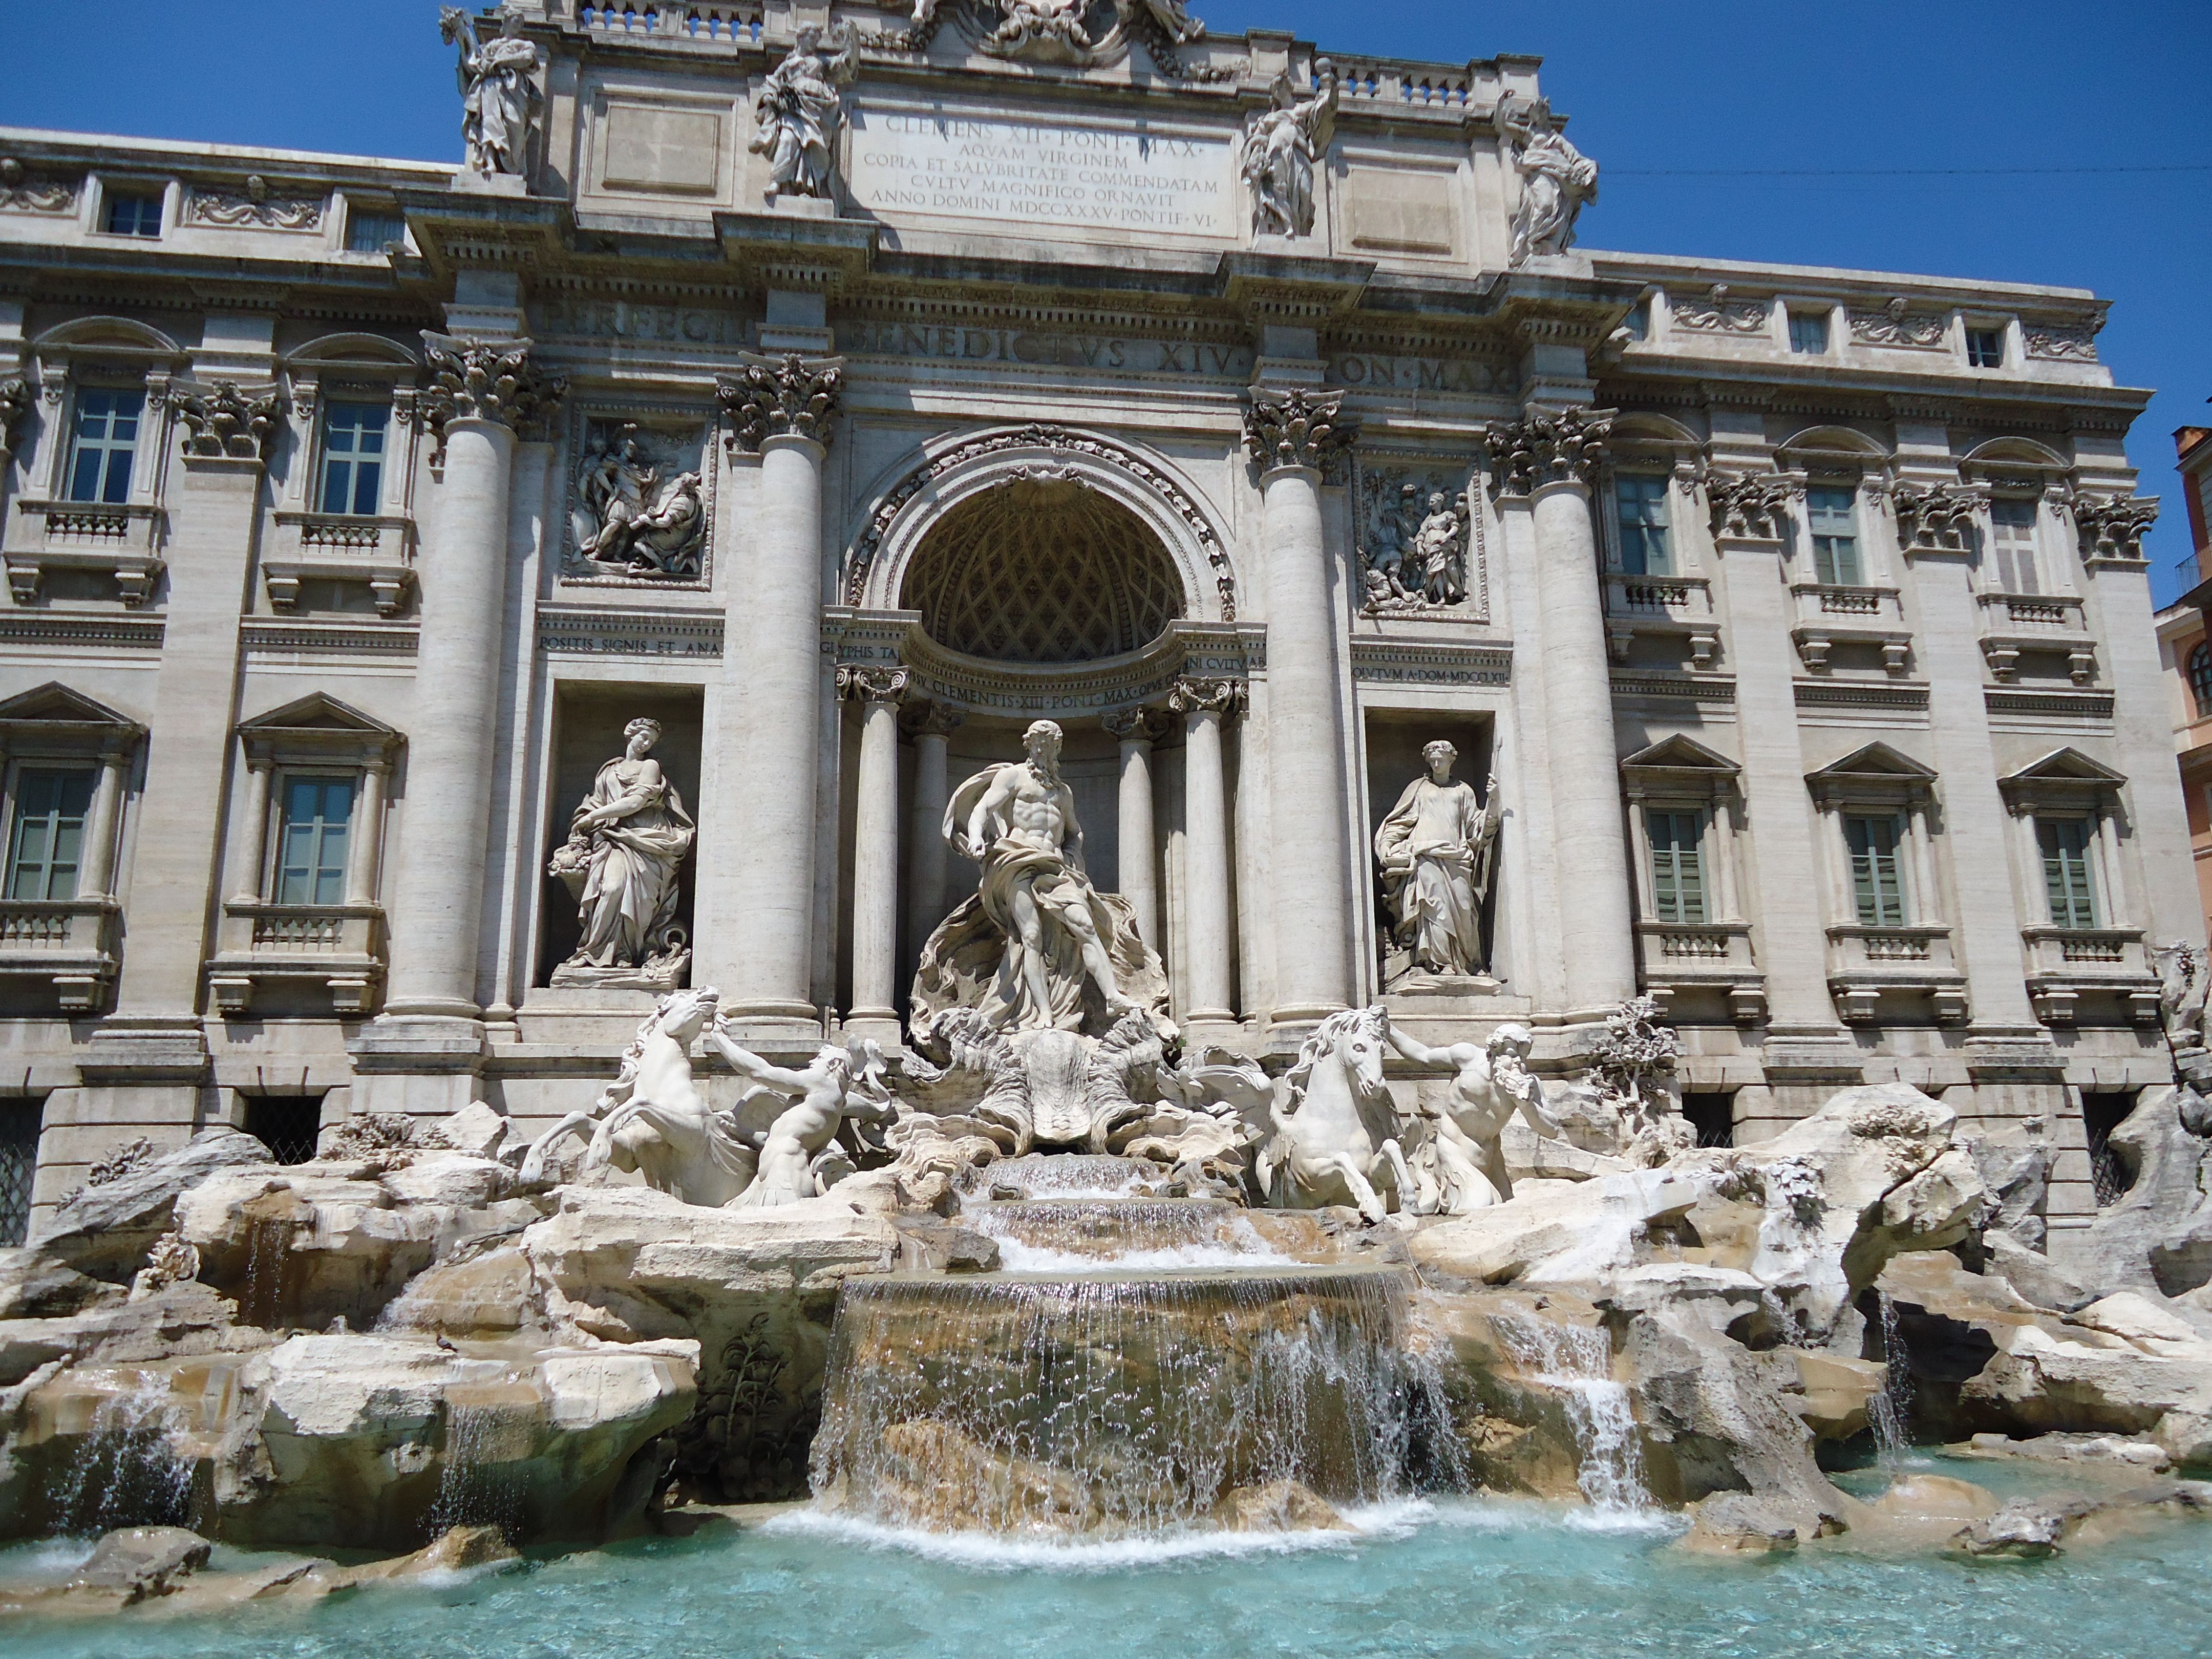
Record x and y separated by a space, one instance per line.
1678 754
54 703
1876 759
318 712
2066 766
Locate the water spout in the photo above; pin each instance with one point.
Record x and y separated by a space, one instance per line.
126 1472
1889 1411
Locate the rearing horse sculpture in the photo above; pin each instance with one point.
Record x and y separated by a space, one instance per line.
1336 1126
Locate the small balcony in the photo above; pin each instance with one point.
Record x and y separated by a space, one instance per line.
1830 614
337 950
2016 625
1681 606
70 944
1704 956
2066 964
378 553
121 540
1867 965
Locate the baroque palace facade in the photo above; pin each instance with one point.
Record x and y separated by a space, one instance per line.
788 404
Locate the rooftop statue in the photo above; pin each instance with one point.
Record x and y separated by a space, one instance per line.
797 111
620 860
1436 848
1281 146
1557 179
1069 31
499 91
1038 947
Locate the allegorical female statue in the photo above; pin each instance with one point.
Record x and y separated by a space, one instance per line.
620 860
797 112
1557 179
1435 848
499 91
1281 146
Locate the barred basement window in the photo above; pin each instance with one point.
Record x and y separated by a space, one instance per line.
1713 1116
19 1162
287 1125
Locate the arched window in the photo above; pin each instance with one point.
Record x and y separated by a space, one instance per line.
2200 678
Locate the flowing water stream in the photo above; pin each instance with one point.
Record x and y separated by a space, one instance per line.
1577 1361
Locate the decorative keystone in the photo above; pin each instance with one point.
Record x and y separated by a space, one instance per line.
1295 429
1749 507
2112 527
1221 697
1540 449
873 684
793 396
1935 519
221 420
474 379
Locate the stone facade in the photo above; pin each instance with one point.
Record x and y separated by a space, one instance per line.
842 390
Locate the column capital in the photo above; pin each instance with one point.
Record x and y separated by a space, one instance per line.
1207 697
1747 508
1546 447
867 685
221 423
1139 724
2112 527
790 396
1294 429
480 379
1935 518
925 717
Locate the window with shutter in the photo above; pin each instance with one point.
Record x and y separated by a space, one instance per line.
2012 546
1644 548
2066 879
45 843
1877 882
312 842
1678 876
1832 518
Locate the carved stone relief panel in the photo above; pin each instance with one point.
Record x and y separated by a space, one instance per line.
641 498
1419 532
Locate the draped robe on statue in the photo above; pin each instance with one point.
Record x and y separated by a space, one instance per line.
975 959
628 891
1435 848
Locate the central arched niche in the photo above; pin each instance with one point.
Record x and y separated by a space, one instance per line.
1042 570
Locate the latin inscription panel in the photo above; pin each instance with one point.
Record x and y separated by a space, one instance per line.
1043 173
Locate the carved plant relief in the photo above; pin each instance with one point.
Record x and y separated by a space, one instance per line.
1420 541
257 204
1894 325
21 191
642 504
1718 314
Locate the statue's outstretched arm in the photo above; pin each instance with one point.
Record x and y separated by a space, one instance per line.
1418 1052
749 1064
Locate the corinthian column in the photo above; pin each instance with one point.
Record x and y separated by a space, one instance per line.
488 390
1293 437
932 723
875 848
1204 704
781 410
1137 729
1546 460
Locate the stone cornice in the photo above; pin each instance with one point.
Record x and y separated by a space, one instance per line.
791 396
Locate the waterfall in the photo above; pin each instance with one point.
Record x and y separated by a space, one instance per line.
267 1245
1111 1406
124 1472
1577 1360
1889 1413
479 1485
1061 1235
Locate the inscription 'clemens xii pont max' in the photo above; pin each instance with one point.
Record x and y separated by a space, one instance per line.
1042 173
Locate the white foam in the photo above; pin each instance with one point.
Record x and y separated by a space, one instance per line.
995 1552
1019 1258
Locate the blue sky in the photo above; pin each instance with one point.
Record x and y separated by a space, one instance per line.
1654 91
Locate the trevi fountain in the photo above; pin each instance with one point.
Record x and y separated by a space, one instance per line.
1056 1315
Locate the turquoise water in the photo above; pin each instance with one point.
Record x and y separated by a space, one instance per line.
1459 1579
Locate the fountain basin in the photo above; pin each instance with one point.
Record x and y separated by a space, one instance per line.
1115 1404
